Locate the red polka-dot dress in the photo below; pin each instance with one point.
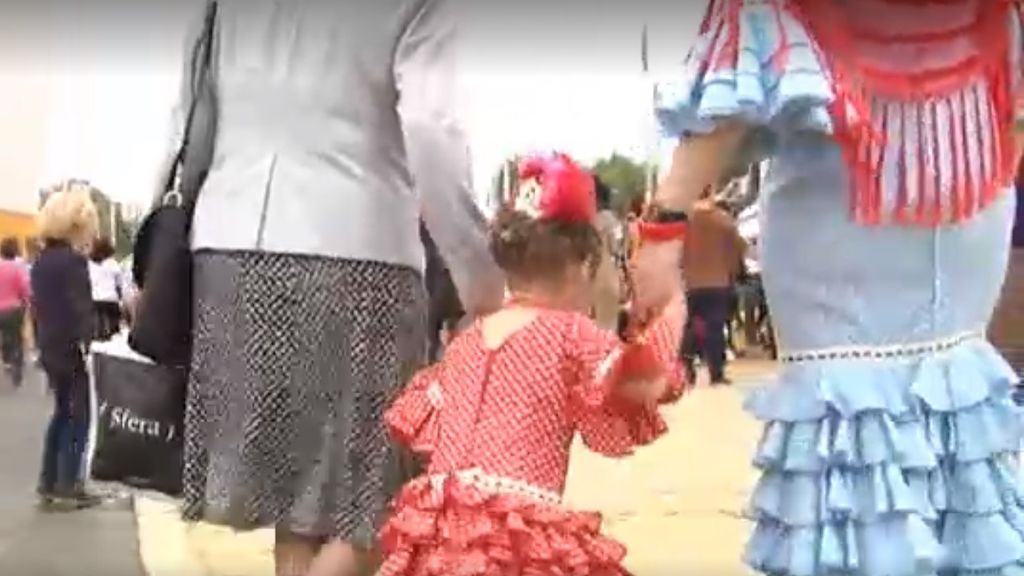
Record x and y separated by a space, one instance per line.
497 426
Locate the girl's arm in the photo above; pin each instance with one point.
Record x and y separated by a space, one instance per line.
650 371
617 386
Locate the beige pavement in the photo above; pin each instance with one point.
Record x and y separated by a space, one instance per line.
677 504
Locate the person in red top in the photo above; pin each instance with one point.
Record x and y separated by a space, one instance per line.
14 299
495 418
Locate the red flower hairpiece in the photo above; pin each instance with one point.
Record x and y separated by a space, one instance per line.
555 187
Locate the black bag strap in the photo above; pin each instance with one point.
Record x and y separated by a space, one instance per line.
201 67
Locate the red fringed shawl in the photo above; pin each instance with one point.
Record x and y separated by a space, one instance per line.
901 70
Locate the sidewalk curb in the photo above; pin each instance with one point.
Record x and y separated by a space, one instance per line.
164 545
132 509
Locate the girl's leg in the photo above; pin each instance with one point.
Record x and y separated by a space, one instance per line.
294 554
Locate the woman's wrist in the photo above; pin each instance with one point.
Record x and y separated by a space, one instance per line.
678 201
652 232
663 224
660 214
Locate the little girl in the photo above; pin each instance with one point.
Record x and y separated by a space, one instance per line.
497 416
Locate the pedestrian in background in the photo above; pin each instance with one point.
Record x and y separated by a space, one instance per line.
33 247
607 285
14 301
62 302
107 280
711 264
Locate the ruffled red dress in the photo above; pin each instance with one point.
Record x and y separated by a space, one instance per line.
497 426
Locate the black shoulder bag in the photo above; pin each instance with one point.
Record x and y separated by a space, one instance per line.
162 328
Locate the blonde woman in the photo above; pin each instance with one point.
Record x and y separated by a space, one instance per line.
62 302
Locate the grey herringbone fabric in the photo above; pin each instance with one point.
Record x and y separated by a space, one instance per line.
295 360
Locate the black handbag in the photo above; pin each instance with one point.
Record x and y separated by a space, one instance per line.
162 266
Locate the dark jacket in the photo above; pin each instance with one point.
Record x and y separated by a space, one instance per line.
62 304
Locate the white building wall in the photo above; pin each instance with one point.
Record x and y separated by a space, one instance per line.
25 110
26 80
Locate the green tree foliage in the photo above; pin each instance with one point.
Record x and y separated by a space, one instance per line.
626 177
114 224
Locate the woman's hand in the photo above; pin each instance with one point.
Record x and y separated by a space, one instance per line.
657 276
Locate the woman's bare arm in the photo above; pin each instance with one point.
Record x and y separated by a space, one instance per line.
697 163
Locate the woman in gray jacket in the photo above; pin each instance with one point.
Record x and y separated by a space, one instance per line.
335 136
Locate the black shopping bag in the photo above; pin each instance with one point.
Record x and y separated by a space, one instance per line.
139 420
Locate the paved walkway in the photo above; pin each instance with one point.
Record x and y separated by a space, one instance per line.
32 543
676 504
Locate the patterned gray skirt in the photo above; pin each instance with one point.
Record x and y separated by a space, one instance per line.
295 360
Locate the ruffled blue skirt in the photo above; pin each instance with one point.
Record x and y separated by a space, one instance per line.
883 467
890 468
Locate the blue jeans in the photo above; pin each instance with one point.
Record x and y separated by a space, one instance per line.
68 431
704 334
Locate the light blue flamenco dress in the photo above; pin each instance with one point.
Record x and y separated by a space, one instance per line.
890 439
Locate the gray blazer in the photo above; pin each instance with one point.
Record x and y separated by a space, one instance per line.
337 132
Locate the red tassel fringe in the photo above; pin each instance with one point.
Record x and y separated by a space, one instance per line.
863 138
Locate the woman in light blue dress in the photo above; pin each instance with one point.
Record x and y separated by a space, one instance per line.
890 437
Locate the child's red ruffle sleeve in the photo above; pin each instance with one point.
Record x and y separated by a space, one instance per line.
413 417
610 423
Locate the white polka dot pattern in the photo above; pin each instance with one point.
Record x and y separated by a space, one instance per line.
295 361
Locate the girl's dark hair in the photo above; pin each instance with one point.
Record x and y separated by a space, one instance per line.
528 249
102 249
10 248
